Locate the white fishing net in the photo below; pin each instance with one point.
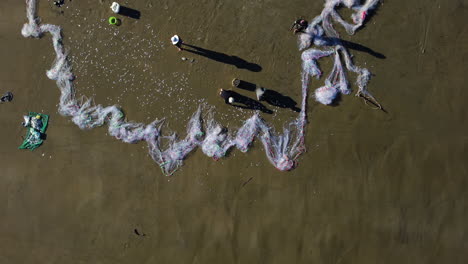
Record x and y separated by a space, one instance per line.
320 32
282 149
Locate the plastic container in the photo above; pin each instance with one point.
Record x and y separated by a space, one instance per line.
114 21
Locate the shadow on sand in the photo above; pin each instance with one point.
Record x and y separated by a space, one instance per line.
129 12
245 102
224 58
270 96
357 47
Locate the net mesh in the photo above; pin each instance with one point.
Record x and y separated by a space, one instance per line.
321 33
282 149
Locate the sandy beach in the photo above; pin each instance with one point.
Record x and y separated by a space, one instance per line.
373 187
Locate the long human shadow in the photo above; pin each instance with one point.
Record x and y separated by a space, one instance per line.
130 12
356 46
277 99
270 96
245 102
224 58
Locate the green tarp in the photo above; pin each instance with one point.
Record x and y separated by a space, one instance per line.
35 136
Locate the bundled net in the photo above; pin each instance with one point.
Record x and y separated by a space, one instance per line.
282 149
320 32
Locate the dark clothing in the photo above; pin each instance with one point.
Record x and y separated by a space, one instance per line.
302 22
225 94
243 101
6 97
299 25
179 44
59 3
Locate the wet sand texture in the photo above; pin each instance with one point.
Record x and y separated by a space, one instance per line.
373 187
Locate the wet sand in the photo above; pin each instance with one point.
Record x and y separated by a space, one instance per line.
373 187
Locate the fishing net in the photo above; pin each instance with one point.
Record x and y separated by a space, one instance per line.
37 125
168 151
321 33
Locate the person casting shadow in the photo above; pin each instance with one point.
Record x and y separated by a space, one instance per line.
240 101
244 85
7 97
277 99
270 96
224 58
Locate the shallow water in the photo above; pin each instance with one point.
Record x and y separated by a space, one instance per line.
373 186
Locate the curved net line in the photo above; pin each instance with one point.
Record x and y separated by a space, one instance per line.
320 32
282 149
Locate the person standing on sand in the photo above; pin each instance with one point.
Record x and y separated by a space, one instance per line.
6 97
177 42
59 3
227 95
299 26
260 92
